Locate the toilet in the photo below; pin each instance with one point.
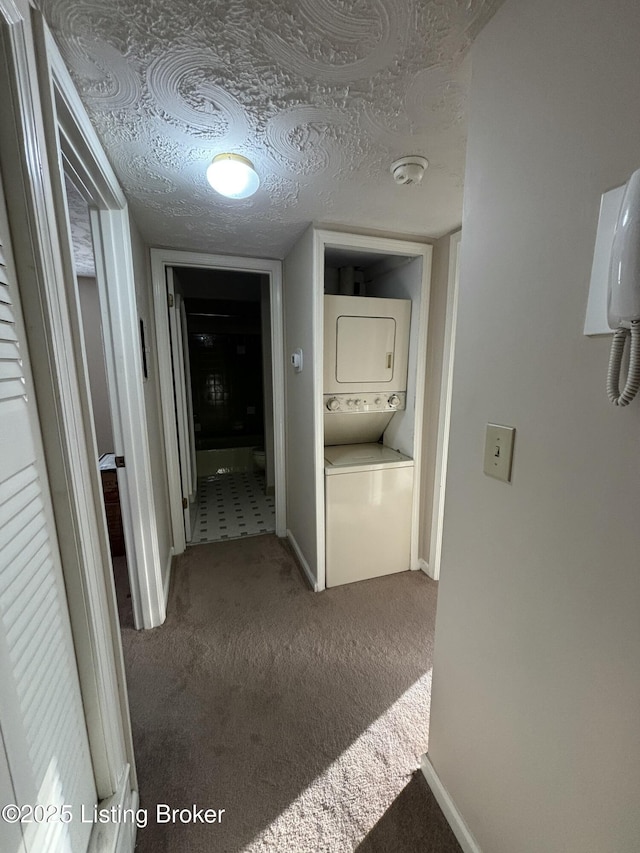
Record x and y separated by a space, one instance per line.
258 458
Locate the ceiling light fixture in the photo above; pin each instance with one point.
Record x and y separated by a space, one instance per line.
233 176
409 169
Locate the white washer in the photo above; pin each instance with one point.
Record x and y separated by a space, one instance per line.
368 500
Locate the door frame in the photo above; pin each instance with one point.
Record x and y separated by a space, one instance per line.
80 154
160 260
444 411
184 429
62 401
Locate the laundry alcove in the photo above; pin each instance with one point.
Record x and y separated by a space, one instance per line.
357 266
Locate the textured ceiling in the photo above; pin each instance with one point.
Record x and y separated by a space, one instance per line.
322 95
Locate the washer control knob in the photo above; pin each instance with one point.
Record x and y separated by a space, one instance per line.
333 405
350 403
394 401
378 401
357 402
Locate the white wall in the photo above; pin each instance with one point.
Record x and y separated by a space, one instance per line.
303 471
92 331
159 476
536 689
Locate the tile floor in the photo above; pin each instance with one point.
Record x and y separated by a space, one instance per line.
231 506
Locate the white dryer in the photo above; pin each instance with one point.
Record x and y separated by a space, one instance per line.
366 344
368 501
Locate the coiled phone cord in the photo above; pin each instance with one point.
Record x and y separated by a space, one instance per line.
615 360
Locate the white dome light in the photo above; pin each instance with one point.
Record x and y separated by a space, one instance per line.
233 176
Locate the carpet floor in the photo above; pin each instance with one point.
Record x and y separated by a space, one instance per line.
302 715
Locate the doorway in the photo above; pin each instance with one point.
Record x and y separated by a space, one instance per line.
219 423
223 346
91 317
72 155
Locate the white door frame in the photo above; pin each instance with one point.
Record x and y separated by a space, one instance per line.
160 260
62 401
181 387
193 465
444 416
80 154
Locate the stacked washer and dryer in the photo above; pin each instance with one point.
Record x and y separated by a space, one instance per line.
368 485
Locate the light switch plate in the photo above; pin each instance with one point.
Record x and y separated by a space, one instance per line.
498 451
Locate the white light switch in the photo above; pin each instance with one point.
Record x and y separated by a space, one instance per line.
498 451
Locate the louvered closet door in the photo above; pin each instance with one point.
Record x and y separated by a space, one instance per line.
41 716
10 833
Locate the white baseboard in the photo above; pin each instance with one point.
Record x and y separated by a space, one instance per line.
305 566
117 836
449 808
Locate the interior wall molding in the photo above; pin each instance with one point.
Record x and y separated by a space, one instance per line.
303 563
449 808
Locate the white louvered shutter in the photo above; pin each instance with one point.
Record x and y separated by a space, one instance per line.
42 724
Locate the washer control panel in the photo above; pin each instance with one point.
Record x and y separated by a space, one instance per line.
381 401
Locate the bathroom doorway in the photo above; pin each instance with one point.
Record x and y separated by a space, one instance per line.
225 354
220 348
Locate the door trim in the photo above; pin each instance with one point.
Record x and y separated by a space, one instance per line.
176 310
84 158
160 260
444 417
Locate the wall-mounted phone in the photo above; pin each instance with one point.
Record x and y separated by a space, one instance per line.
623 295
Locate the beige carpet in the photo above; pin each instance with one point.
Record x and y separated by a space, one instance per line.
302 715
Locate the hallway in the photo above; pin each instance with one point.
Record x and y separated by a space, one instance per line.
302 715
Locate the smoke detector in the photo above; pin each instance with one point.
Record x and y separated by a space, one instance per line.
409 169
